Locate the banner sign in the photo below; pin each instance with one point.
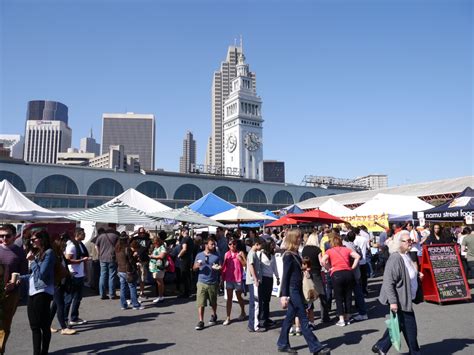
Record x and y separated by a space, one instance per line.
368 221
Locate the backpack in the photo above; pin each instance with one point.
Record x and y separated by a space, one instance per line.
170 267
60 271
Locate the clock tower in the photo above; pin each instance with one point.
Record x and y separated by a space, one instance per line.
243 143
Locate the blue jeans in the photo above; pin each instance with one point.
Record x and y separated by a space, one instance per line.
73 299
296 308
124 286
107 270
359 298
407 323
57 307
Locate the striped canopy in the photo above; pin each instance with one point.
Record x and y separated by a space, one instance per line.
187 215
114 212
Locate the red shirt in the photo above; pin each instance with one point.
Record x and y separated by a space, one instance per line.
339 258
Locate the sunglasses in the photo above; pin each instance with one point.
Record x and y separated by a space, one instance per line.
232 244
5 235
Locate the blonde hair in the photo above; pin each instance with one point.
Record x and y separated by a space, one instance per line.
313 240
292 239
335 240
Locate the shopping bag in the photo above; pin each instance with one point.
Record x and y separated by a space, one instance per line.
394 331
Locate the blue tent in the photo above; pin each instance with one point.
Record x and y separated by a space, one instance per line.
455 210
260 223
290 209
210 205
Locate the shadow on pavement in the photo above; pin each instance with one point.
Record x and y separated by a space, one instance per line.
349 338
132 347
119 321
447 346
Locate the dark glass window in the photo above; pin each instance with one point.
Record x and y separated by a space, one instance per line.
283 197
105 187
306 196
226 193
13 179
188 192
57 184
255 196
152 189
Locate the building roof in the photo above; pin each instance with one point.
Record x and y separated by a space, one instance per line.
424 189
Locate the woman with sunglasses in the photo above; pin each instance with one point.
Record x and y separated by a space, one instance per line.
232 271
399 290
41 291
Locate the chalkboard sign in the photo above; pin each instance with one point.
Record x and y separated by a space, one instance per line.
442 268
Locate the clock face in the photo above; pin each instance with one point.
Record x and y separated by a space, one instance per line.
252 142
231 143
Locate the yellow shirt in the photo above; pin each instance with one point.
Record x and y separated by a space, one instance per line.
322 245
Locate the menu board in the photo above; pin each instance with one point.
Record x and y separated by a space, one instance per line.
448 275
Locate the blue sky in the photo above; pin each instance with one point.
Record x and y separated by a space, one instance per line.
349 87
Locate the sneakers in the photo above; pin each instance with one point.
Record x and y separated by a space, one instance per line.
360 317
226 322
341 323
138 308
158 299
199 326
242 317
68 331
213 320
54 330
79 321
261 330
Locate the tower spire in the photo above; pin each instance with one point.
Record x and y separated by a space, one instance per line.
91 135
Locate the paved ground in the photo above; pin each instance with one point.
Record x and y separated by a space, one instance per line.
169 328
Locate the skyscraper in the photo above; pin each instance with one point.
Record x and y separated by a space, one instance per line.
221 88
189 153
47 132
89 145
136 132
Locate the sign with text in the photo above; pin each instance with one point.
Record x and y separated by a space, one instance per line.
444 277
214 170
368 221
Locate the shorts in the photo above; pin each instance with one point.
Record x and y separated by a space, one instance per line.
229 285
159 274
143 272
206 293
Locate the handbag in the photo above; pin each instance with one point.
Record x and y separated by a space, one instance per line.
309 289
394 330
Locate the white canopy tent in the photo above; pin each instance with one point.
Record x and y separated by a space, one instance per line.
135 199
335 208
14 206
391 205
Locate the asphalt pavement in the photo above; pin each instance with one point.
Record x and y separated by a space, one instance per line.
168 328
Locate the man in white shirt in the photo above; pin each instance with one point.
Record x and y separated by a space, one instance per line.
76 255
362 241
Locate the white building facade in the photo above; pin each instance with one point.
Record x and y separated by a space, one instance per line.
243 127
45 139
13 142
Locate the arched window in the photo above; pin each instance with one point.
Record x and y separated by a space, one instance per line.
255 196
105 187
13 179
226 193
152 189
306 196
57 184
283 197
188 192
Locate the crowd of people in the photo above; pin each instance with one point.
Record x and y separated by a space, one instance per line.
322 264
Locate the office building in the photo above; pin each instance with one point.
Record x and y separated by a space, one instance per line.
75 157
373 182
221 89
189 153
135 132
89 145
273 171
116 159
45 139
14 143
44 110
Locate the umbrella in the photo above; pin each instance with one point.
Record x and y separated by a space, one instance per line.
187 215
115 212
287 220
317 216
240 214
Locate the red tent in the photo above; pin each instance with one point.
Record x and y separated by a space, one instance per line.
317 216
287 220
